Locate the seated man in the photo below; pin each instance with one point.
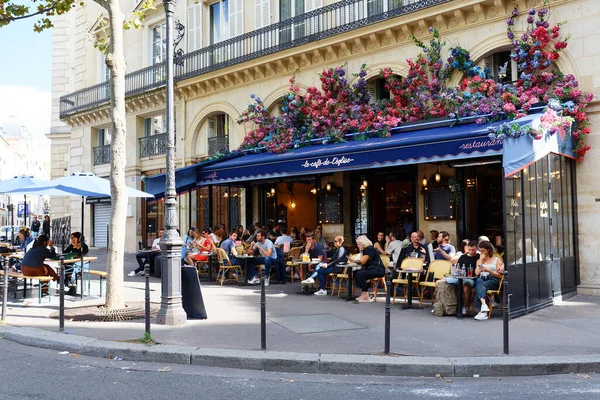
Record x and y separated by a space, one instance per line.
265 253
325 268
229 246
469 260
144 257
313 248
444 250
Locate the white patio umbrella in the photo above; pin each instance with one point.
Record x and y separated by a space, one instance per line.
18 183
82 184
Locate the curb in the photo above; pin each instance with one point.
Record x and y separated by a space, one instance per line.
355 364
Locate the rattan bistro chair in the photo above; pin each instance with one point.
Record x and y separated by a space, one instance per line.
375 282
225 267
491 296
439 269
408 263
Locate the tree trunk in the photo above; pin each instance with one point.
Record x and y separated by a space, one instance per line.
115 60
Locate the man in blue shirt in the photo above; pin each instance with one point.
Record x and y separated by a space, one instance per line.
265 253
444 251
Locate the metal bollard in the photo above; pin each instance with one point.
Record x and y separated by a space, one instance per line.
147 299
505 310
5 289
61 307
263 311
388 294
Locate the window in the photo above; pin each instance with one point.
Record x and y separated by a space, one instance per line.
293 8
159 43
501 67
377 90
104 137
219 21
155 125
262 13
218 125
104 72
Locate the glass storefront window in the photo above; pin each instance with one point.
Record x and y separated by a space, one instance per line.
543 208
514 225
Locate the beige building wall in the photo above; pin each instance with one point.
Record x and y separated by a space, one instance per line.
478 25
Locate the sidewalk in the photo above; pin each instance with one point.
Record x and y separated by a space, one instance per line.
326 333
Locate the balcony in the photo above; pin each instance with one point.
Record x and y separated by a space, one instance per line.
331 20
102 155
154 145
218 144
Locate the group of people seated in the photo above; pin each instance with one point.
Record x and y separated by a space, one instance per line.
41 248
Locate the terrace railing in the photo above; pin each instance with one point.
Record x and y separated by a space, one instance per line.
153 145
324 22
102 155
218 144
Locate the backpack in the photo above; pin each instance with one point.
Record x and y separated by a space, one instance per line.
446 299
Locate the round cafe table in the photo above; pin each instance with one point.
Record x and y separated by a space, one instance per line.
410 272
245 257
461 279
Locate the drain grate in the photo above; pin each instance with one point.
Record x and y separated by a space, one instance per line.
131 312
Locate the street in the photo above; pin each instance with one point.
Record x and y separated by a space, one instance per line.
32 373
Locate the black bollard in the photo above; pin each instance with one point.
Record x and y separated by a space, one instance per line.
388 294
147 300
505 310
61 308
5 289
263 311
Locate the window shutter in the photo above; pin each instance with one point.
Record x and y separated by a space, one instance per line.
262 13
194 27
313 23
372 90
236 18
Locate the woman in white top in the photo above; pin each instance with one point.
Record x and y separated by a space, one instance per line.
490 270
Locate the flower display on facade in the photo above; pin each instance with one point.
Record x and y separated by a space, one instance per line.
338 110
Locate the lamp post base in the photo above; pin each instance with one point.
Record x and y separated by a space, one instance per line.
171 308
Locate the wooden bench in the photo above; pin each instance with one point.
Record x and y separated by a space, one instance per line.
101 274
44 281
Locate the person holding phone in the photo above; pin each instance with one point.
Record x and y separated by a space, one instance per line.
490 270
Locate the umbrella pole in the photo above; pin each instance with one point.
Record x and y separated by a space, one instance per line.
25 210
82 239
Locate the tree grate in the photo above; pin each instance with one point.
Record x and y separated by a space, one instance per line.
102 314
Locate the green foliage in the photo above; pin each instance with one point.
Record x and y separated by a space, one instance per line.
146 339
44 10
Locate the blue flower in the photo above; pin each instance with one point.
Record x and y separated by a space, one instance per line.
455 64
569 105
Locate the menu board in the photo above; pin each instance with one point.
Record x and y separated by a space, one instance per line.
330 208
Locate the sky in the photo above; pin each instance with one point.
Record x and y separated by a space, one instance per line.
26 75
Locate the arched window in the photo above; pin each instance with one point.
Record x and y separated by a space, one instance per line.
218 127
502 68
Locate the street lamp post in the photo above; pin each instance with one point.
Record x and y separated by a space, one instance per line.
171 309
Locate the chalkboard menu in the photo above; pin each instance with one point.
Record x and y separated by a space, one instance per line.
330 207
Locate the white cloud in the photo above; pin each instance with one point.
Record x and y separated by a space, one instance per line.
30 106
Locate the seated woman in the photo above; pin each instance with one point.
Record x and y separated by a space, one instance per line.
33 262
79 250
325 268
26 244
490 270
201 244
372 267
187 243
380 244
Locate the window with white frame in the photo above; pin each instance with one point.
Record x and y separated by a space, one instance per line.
155 125
194 27
104 137
159 43
292 8
219 21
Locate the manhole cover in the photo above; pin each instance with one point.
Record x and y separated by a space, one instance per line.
131 311
316 323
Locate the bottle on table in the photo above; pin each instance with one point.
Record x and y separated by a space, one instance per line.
470 271
464 270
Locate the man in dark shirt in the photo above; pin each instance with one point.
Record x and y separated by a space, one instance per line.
414 250
312 247
35 227
468 260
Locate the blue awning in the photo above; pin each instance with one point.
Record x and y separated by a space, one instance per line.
408 144
402 148
524 151
185 179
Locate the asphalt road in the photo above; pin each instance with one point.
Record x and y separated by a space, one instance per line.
31 373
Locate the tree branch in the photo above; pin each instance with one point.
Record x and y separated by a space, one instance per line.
13 18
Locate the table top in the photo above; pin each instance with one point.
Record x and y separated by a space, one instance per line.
245 256
350 265
460 276
48 260
306 262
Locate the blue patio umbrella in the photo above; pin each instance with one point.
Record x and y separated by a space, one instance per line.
82 184
23 182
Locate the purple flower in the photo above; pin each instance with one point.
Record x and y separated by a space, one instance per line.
530 20
431 29
524 37
510 35
510 22
515 12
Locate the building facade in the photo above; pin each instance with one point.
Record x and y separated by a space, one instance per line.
235 48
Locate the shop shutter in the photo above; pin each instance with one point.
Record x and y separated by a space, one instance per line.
101 220
194 27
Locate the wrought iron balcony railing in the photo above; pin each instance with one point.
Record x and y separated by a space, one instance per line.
324 22
102 155
218 144
153 145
